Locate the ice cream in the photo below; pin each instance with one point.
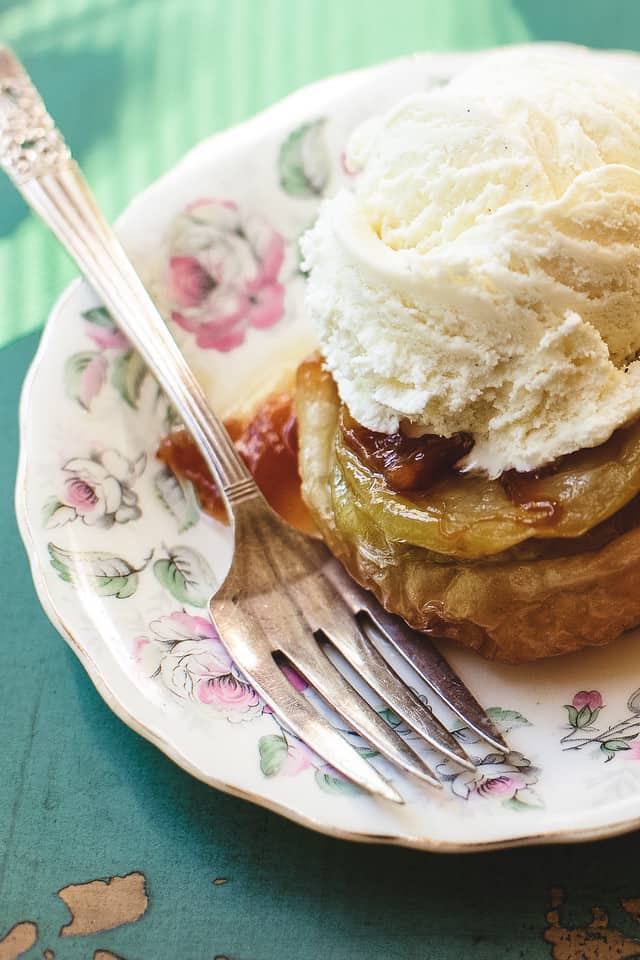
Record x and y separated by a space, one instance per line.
483 274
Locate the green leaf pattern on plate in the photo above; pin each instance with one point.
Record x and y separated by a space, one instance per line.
304 162
55 513
508 718
187 575
100 317
128 375
178 496
331 782
106 575
273 750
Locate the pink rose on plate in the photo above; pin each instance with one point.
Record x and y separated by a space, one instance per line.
222 274
505 786
583 710
230 696
588 698
500 776
195 665
97 490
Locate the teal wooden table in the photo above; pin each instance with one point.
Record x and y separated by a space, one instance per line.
106 849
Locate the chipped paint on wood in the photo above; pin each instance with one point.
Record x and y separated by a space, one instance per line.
18 940
595 941
104 904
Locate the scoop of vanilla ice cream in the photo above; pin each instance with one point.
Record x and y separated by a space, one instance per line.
483 275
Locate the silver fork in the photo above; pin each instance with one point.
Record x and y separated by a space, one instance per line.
285 596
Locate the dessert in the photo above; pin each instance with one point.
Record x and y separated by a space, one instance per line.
478 292
468 436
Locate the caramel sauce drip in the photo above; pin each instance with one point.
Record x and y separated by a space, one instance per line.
268 444
523 489
406 463
527 490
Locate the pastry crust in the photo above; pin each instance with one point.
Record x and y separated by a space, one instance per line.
548 598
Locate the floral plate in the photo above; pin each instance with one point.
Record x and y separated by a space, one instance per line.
124 562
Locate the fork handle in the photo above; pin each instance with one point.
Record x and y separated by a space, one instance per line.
36 158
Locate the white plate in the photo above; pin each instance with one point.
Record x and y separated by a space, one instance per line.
123 562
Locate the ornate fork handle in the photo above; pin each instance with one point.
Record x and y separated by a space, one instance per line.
30 145
34 155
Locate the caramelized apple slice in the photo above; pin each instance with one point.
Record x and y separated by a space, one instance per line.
469 517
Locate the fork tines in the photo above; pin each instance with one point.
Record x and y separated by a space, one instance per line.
316 612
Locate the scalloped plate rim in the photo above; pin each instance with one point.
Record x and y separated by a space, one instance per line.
101 684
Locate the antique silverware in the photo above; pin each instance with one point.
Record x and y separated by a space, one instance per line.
285 596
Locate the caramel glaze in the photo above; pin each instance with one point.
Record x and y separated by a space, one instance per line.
268 444
406 463
411 465
522 489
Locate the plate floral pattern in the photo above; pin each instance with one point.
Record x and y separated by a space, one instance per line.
619 737
223 273
125 562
